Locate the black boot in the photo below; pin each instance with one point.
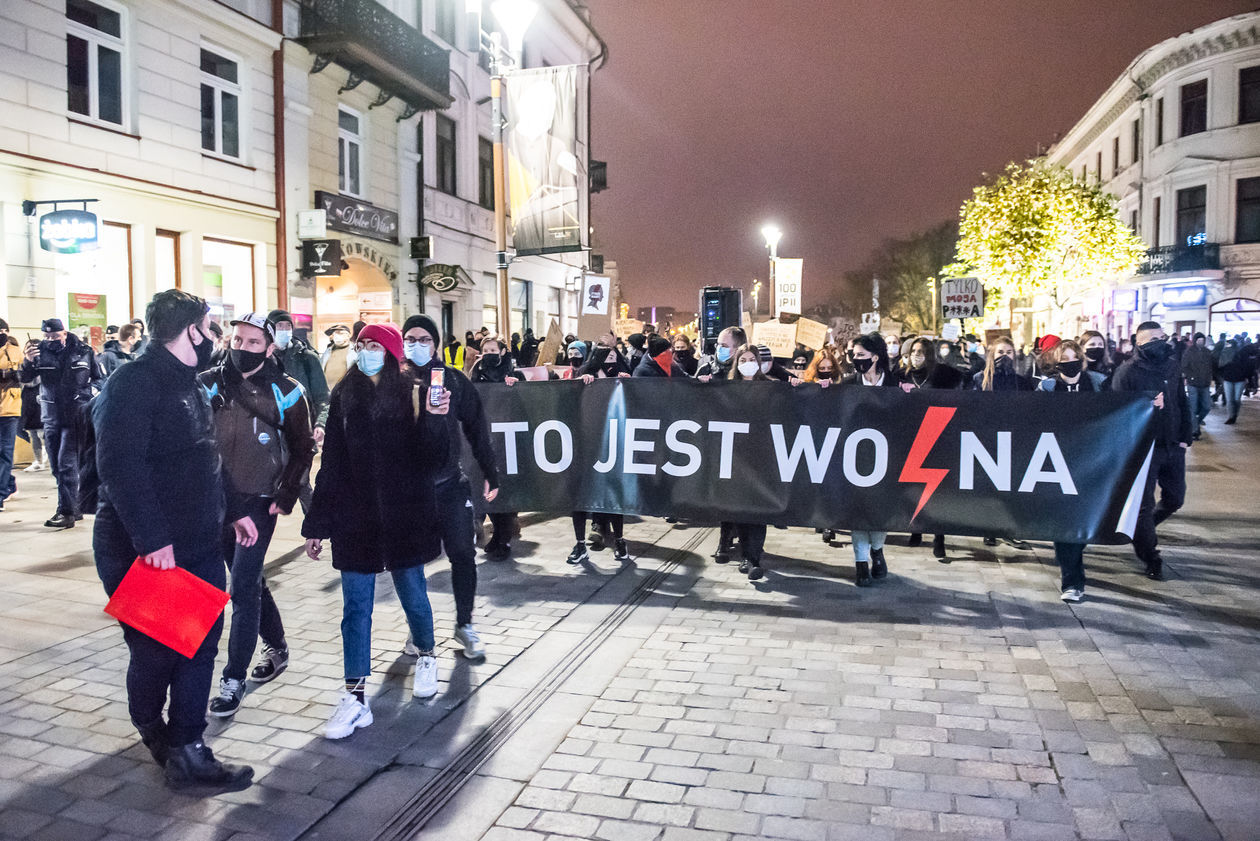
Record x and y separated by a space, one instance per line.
723 553
916 539
154 737
194 766
863 577
828 535
1155 567
938 548
879 569
990 541
60 521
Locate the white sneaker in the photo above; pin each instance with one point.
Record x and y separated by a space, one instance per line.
33 467
1072 595
467 636
410 648
426 685
349 716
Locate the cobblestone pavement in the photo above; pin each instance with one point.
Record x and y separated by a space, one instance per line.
672 699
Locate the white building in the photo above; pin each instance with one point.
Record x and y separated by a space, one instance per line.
1177 138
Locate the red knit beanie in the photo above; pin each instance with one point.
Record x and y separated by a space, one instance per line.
387 335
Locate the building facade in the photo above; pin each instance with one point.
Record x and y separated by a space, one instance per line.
1177 139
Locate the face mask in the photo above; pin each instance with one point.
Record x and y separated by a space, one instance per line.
203 351
1094 354
283 337
370 362
974 347
893 350
1070 369
943 353
863 365
1155 351
491 360
246 360
1004 363
917 360
420 354
340 339
748 369
765 367
682 352
825 374
723 354
575 361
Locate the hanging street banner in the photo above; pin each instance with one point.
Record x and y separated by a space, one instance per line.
787 284
1041 466
546 135
962 297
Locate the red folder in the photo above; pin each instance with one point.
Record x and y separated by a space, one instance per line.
172 606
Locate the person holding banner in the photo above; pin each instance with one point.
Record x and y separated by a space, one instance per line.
685 354
374 498
719 367
1097 355
999 374
824 370
870 368
752 536
920 370
495 366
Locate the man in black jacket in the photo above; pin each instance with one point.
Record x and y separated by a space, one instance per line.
453 494
162 499
1153 368
68 376
296 359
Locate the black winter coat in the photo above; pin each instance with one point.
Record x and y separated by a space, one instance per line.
467 416
1173 425
67 378
374 493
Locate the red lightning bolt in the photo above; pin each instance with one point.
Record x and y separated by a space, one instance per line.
934 423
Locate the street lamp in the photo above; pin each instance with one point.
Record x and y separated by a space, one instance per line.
756 289
772 235
514 17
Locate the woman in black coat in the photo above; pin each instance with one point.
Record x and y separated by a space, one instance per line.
920 370
495 366
374 500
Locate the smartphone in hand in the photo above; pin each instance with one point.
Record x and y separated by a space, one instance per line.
437 382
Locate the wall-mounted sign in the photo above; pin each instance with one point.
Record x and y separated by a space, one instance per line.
441 277
68 231
321 257
962 297
358 217
1185 297
312 224
1124 300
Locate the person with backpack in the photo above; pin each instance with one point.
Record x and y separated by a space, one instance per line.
262 424
296 358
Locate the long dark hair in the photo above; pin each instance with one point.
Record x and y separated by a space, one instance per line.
389 399
929 357
874 344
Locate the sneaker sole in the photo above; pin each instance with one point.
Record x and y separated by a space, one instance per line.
429 694
261 680
226 713
207 790
365 721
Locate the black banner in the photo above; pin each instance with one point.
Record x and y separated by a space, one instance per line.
1043 466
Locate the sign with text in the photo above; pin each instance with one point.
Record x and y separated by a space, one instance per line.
624 327
88 310
358 217
68 231
812 334
321 257
779 337
962 297
787 284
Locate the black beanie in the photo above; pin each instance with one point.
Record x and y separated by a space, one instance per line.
658 345
426 324
636 340
279 315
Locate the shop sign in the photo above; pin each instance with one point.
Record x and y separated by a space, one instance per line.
369 254
312 224
321 257
358 217
87 310
1124 300
441 277
962 297
1185 297
68 231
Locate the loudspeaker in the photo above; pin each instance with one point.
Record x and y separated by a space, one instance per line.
720 307
422 248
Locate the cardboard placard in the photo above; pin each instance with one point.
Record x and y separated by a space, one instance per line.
962 297
950 332
552 345
812 334
780 338
624 327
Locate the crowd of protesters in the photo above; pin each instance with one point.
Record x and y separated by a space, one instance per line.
188 438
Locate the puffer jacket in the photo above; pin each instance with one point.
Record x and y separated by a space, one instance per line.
10 383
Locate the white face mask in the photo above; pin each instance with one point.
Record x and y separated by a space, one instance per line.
893 350
766 366
748 369
283 337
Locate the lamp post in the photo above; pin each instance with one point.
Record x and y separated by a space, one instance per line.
772 236
756 290
514 17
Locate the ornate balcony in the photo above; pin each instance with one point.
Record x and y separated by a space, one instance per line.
377 46
1168 259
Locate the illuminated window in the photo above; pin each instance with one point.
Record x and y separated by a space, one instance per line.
94 60
1191 216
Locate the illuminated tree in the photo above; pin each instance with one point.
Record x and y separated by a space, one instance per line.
1036 229
907 269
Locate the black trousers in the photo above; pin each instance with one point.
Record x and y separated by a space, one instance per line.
455 519
752 540
1071 558
157 674
616 522
61 442
1168 472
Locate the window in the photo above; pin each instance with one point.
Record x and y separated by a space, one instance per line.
485 173
1137 141
445 154
1191 216
227 273
166 251
444 24
220 105
521 295
1159 121
1194 108
1084 172
1115 156
1133 221
1159 206
420 178
1248 219
349 153
94 52
1249 95
1098 166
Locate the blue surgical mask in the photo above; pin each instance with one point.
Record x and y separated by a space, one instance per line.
723 354
283 337
420 354
370 362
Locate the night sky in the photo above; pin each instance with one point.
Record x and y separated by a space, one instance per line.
843 121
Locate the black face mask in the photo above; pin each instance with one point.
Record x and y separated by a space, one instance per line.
1155 351
203 351
1095 354
576 361
863 365
682 354
1070 369
246 361
491 360
1004 363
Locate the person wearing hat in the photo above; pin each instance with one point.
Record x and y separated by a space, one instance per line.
118 352
296 359
451 487
659 360
69 375
338 356
10 408
262 424
374 500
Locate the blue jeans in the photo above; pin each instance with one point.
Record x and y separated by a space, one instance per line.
864 542
1200 403
8 434
1233 397
254 612
358 595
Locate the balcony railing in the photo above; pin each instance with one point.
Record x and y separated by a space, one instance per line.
1181 258
376 45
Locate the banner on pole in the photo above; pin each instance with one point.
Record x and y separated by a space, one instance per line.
1043 466
787 284
548 185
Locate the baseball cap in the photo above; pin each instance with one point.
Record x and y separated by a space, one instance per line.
254 319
